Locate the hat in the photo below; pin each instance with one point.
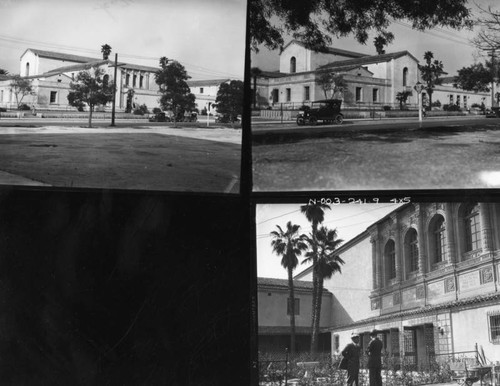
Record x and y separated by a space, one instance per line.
373 332
354 335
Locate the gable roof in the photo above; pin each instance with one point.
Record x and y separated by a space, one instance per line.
329 50
61 56
208 82
75 67
368 60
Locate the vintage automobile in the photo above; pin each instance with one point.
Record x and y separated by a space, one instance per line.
227 118
159 117
493 113
327 110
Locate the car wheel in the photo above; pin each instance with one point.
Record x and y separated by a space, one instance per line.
300 121
313 121
339 119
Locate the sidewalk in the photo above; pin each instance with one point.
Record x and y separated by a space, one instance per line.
13 179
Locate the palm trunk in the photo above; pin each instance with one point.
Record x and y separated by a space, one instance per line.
315 289
91 108
292 311
317 312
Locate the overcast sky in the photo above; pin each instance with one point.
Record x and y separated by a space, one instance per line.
349 219
450 46
207 37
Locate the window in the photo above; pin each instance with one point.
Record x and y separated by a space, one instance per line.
53 96
411 245
134 80
472 228
275 95
458 100
72 76
297 306
375 95
494 324
359 94
105 80
438 242
336 342
293 65
288 94
306 93
465 101
405 76
27 69
127 79
141 81
1 95
201 90
390 258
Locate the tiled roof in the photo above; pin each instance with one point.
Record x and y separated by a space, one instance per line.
448 79
208 82
62 56
332 50
427 309
368 59
272 74
280 330
76 67
283 284
137 67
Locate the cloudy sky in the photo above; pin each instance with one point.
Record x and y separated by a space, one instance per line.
450 46
349 219
207 37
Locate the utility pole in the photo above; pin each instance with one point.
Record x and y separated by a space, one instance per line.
113 109
494 75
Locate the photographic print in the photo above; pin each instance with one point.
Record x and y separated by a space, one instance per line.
371 292
366 95
122 94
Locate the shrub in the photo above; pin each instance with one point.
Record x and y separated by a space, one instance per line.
141 110
23 106
156 110
2 110
451 108
436 103
387 108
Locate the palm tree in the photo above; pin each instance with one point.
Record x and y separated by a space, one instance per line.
327 263
3 72
315 214
106 51
255 71
289 245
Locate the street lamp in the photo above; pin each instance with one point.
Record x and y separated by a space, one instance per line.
419 88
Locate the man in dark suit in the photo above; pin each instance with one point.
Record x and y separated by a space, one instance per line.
374 352
351 354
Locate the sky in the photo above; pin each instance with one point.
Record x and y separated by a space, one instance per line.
450 46
349 219
207 37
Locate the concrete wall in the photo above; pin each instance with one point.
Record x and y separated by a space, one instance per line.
272 308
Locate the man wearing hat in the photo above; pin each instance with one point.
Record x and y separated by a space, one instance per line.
351 354
374 352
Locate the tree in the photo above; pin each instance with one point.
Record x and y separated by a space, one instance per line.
315 21
106 51
3 72
21 87
476 77
315 214
176 95
381 41
402 97
327 263
488 37
430 73
289 245
255 72
229 99
331 82
92 88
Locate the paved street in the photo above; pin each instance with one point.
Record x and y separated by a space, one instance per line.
126 157
454 153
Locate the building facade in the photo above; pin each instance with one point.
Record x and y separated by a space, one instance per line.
274 316
426 277
373 81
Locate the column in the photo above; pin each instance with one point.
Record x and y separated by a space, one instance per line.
422 258
484 217
397 247
450 234
373 241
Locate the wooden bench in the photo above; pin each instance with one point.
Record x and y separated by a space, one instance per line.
460 374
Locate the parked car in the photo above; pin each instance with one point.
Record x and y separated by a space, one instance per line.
226 118
187 117
327 110
159 117
493 113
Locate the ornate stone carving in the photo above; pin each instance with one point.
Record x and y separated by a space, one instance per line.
420 292
375 304
449 284
486 275
397 298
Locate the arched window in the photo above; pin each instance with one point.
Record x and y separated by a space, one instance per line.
411 251
105 79
472 229
437 242
293 65
390 260
405 76
27 69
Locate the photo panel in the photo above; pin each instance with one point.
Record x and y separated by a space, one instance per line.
119 288
142 99
418 274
